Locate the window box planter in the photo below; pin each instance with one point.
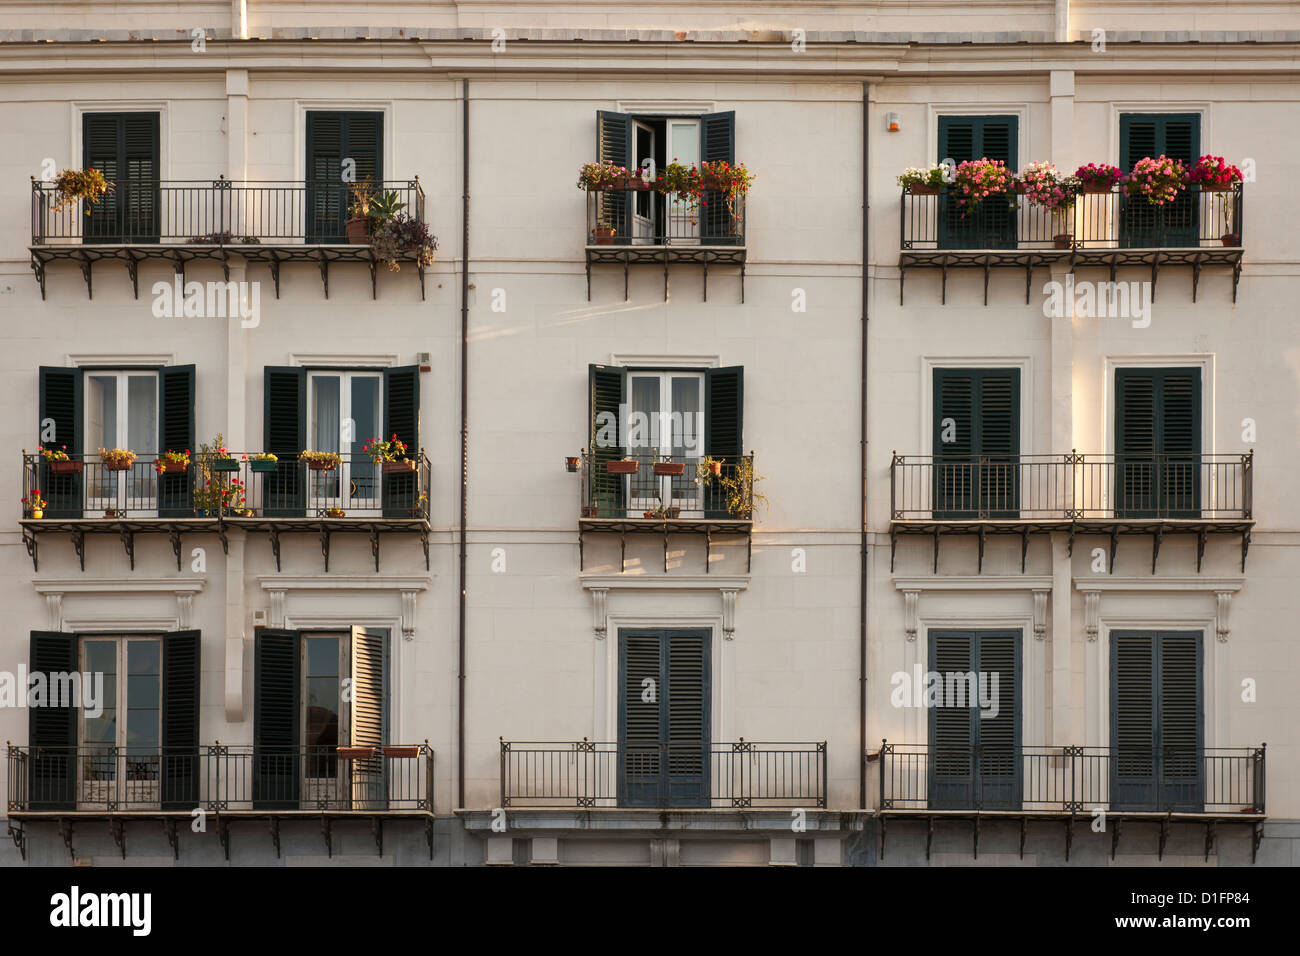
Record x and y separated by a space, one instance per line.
335 513
629 184
1216 187
224 464
622 467
358 231
322 465
1063 241
172 467
571 464
603 235
263 466
1231 239
921 189
670 467
356 753
669 514
402 753
591 511
65 467
401 466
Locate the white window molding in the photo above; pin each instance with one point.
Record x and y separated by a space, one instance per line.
1202 360
664 361
1202 108
1022 362
302 107
120 359
341 360
78 108
665 107
182 591
405 587
975 582
726 585
1121 582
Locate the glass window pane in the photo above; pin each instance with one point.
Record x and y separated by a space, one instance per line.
687 419
142 692
101 730
101 413
325 412
322 656
365 411
142 729
100 656
142 415
643 427
144 657
684 142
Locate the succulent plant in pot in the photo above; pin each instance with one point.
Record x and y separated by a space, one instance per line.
403 237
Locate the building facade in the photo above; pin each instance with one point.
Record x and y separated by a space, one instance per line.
694 498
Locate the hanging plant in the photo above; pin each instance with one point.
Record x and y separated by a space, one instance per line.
403 237
87 185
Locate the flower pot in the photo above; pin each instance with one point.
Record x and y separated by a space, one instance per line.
630 184
590 511
649 514
622 467
356 753
335 513
604 235
67 467
262 465
669 467
37 512
118 465
322 465
1216 187
1231 239
401 466
713 184
674 512
571 464
1063 240
402 753
715 468
358 231
1097 188
223 464
172 467
921 189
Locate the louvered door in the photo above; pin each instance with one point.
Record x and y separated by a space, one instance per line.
1158 443
333 139
992 223
976 443
1177 136
124 147
1156 721
366 717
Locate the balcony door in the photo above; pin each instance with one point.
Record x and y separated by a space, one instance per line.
1158 442
976 443
1156 721
664 718
975 725
121 411
992 223
345 412
666 420
124 147
120 765
342 148
1177 136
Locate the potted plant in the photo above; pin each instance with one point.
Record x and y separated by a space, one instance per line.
117 459
173 462
403 237
739 492
34 503
360 196
591 511
87 185
335 513
59 462
571 463
1098 177
603 233
607 177
669 467
320 460
1158 181
622 466
683 182
924 182
402 752
386 454
355 753
263 462
417 509
708 467
1044 186
223 461
732 181
977 179
1214 174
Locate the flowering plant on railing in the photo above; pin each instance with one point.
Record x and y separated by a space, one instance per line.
117 459
1158 180
88 185
262 456
54 454
382 451
607 177
977 179
34 501
403 237
171 461
1098 177
732 181
1213 171
219 494
320 460
1045 186
931 179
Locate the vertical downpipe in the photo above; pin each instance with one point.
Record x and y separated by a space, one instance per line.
863 552
464 441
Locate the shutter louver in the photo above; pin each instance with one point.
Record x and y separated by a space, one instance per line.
1177 136
367 716
641 703
402 418
606 390
976 443
277 765
333 137
1158 442
724 421
284 417
999 736
1180 717
124 147
51 731
688 718
176 433
60 403
991 224
952 736
614 145
717 144
180 720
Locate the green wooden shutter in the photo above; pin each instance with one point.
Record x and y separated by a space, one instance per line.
402 418
998 737
606 393
60 403
964 138
284 434
124 147
1177 136
724 420
332 137
614 145
367 716
641 725
180 720
176 433
1179 718
991 224
1158 442
51 731
687 718
277 743
976 473
717 144
952 728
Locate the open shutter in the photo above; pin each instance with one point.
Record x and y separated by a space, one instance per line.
641 719
277 764
334 136
124 147
688 718
284 435
717 144
606 393
180 720
998 737
1179 719
60 404
614 145
51 731
176 433
402 418
991 224
952 734
366 724
724 420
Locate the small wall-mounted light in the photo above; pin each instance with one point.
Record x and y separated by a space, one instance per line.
891 122
571 464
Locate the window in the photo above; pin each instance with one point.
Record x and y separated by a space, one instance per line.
635 142
975 724
1178 136
655 413
991 224
664 718
146 410
124 147
138 747
1158 442
340 410
976 442
316 691
1156 720
333 138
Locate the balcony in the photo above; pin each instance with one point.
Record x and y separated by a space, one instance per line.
209 221
1107 230
1209 786
664 775
1079 494
645 493
67 785
85 496
669 232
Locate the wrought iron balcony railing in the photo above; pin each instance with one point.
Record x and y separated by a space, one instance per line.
646 485
663 774
97 778
647 218
1073 486
1197 218
1073 779
210 212
233 488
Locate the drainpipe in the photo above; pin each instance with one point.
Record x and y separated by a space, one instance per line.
464 442
1062 21
862 559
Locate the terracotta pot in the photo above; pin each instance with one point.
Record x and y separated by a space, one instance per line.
173 467
356 753
402 753
920 189
322 465
118 465
713 184
570 464
358 231
1216 187
1231 239
68 467
1063 241
674 512
715 468
604 235
669 467
401 466
335 513
590 511
621 467
1096 188
630 184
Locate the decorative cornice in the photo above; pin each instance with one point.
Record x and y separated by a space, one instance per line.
1101 582
666 582
345 582
975 582
105 585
